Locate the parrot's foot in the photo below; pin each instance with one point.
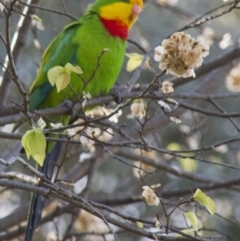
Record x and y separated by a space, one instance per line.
70 105
116 94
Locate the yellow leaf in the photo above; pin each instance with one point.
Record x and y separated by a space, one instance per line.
134 61
61 76
204 200
77 70
70 68
174 147
53 74
199 196
188 164
34 143
24 143
188 231
35 17
210 205
192 219
139 224
62 81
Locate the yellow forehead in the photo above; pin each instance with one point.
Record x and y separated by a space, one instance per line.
121 11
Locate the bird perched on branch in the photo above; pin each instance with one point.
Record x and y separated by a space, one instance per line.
88 54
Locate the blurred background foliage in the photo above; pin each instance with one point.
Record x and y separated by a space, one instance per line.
112 178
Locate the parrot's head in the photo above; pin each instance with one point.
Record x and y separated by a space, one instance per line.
118 16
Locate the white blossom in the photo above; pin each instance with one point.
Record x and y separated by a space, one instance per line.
167 2
86 141
41 123
226 41
233 79
71 132
86 96
157 223
164 105
138 109
90 132
207 36
150 196
167 87
175 119
56 125
103 111
159 51
107 135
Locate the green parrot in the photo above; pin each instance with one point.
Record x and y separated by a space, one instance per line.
104 27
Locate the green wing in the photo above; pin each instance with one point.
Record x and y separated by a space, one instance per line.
81 43
59 52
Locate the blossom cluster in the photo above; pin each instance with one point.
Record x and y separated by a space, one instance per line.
181 54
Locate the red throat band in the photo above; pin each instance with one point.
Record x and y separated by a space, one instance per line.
116 28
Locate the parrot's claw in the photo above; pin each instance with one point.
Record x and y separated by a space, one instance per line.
70 105
116 94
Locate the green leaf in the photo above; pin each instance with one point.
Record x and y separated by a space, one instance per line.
192 219
139 224
204 200
53 74
134 61
34 143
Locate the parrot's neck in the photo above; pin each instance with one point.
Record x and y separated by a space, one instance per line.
116 28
